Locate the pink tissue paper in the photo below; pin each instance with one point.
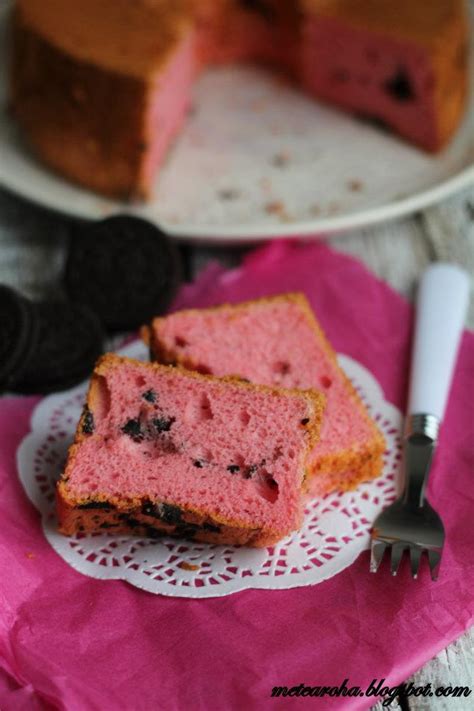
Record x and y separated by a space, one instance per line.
74 643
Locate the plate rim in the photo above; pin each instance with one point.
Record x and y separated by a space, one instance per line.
211 233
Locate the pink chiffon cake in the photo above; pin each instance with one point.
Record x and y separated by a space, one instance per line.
277 341
101 89
163 451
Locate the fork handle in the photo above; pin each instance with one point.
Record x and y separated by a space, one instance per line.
441 307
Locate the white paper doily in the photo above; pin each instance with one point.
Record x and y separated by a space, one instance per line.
335 529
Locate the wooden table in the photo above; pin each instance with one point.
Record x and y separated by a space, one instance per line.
31 257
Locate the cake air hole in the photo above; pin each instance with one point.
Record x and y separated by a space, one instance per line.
198 410
244 417
140 381
100 398
267 487
325 381
238 460
205 407
180 342
281 367
400 87
203 369
277 453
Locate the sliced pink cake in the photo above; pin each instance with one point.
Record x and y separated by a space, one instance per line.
277 341
163 451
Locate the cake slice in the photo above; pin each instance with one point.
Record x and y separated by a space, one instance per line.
277 341
403 64
164 451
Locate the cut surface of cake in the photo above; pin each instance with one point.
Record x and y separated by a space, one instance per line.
101 88
162 451
401 63
277 341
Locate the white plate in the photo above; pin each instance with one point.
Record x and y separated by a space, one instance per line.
259 160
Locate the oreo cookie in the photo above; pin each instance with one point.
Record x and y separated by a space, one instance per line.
123 268
17 333
68 343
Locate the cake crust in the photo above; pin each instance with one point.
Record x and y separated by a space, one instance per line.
89 120
133 39
405 19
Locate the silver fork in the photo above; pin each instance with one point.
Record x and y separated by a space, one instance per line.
411 523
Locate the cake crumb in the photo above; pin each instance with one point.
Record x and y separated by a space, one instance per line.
281 159
277 207
184 565
355 185
228 194
30 555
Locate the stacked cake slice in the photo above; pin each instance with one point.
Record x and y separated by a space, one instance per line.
277 341
164 451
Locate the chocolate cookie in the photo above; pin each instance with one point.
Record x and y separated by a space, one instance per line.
123 268
69 342
16 327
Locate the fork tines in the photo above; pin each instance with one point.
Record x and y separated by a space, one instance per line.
397 548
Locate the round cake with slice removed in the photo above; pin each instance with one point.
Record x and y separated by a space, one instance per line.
101 89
